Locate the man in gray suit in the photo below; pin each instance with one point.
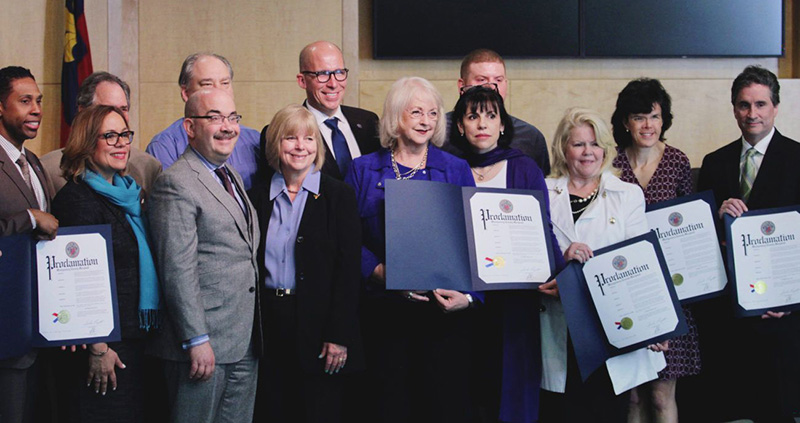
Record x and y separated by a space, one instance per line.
106 89
205 236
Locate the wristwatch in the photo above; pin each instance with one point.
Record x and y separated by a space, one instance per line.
470 299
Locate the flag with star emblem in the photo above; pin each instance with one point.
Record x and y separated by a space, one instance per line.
77 64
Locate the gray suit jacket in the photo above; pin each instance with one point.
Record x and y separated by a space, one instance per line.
205 253
15 199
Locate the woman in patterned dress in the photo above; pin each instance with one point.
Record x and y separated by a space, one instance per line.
642 116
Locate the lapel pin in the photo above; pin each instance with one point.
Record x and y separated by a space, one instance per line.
316 196
558 190
612 221
358 125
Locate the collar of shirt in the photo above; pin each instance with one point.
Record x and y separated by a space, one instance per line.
210 166
10 149
322 117
310 183
761 145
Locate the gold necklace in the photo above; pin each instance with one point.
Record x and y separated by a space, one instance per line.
410 174
481 176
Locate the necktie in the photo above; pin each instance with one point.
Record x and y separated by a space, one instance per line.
223 176
340 149
748 173
22 161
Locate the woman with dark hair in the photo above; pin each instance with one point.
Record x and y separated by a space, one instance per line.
512 374
663 172
106 382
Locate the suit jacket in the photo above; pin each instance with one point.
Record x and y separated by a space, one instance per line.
78 204
327 262
205 253
364 125
142 167
777 183
15 199
615 215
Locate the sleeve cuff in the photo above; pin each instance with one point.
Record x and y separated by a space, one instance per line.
197 340
33 219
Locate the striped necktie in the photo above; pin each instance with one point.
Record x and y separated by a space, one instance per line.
749 170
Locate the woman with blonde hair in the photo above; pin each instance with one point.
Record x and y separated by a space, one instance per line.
417 343
308 257
590 208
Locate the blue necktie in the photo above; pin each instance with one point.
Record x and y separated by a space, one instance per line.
340 149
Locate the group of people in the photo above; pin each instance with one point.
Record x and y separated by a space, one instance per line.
251 269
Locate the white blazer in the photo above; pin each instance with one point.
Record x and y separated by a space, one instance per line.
615 215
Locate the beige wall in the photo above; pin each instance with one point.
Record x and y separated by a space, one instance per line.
262 39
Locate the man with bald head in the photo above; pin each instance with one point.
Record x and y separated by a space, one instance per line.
349 132
106 89
201 71
205 237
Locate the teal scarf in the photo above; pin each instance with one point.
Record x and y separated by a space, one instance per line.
124 193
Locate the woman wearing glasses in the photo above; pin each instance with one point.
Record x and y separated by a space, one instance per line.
509 324
417 343
105 382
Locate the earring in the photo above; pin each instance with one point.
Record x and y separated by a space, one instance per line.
502 133
462 134
627 130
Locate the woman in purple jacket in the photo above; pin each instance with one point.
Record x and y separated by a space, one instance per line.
509 324
416 343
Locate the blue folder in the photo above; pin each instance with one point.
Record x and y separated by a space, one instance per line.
429 239
589 341
739 311
19 309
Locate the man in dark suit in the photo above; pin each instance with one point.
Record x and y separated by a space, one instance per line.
25 194
486 67
349 132
752 362
106 89
205 237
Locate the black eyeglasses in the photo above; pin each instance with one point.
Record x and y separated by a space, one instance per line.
217 119
490 85
325 75
113 138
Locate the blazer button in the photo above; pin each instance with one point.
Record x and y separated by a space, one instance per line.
301 276
252 289
299 239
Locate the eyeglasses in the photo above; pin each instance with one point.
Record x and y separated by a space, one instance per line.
325 75
417 114
490 85
218 119
113 138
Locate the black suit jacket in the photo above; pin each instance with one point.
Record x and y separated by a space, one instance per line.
777 183
327 271
364 125
77 204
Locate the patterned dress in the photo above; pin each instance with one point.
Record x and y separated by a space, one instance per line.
672 178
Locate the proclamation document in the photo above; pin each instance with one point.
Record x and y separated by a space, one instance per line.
764 253
441 235
688 236
619 301
509 237
59 292
630 294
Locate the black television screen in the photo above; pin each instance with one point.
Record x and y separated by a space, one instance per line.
432 29
451 29
683 28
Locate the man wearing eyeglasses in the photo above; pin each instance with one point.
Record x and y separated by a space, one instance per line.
486 67
200 71
349 132
205 237
106 89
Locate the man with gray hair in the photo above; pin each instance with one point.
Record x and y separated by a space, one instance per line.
201 71
106 89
